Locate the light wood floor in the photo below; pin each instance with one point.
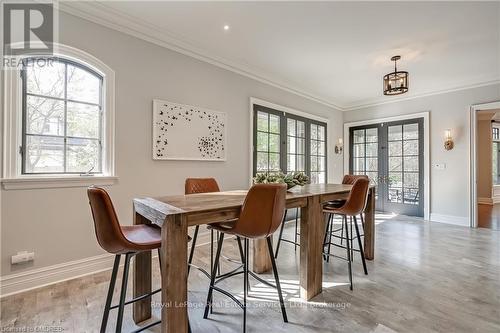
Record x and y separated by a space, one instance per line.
489 216
425 278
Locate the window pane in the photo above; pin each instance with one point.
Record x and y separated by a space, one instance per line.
321 166
314 163
359 164
314 147
44 154
300 163
395 179
83 85
395 148
262 161
291 145
411 196
410 147
262 141
46 80
321 177
301 146
291 127
411 180
395 132
274 162
371 135
44 116
321 148
262 121
395 164
411 163
359 150
321 133
395 194
83 120
410 131
83 155
274 143
372 149
301 132
274 123
372 164
291 162
314 132
373 177
359 136
314 177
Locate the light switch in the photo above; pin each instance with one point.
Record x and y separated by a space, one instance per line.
439 166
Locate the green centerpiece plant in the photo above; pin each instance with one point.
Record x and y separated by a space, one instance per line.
291 179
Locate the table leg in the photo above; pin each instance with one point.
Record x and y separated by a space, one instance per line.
312 228
370 226
261 259
174 241
142 280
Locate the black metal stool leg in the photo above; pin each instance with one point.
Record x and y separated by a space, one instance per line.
330 222
111 289
159 259
280 235
240 248
360 244
326 236
348 249
123 293
193 245
277 279
213 275
352 235
245 284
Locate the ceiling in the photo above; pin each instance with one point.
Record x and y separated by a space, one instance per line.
332 52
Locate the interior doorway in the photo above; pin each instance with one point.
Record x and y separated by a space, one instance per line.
487 144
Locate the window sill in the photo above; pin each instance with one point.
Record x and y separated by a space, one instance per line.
26 183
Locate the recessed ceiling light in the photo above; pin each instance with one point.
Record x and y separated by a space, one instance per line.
226 27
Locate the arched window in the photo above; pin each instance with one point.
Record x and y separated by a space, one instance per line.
62 117
59 121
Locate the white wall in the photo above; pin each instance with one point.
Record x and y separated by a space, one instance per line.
449 187
56 223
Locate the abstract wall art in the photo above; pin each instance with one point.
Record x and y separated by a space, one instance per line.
185 132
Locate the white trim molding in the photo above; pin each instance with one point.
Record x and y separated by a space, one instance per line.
450 219
12 134
472 188
427 160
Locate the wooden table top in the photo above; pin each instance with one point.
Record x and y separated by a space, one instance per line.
227 200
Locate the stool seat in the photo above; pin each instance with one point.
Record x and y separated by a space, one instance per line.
143 237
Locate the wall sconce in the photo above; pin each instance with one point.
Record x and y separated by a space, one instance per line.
339 146
448 140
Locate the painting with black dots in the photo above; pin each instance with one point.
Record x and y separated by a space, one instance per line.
184 132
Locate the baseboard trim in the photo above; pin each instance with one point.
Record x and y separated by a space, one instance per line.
485 201
36 278
450 219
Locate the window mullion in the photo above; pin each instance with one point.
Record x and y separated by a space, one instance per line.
65 116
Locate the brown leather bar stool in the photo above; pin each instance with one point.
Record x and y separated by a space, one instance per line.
347 180
205 185
354 205
261 215
120 240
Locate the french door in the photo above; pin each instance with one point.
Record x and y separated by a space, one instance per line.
391 155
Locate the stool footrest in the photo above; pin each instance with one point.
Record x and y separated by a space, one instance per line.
137 298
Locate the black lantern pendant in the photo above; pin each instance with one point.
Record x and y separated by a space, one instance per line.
396 83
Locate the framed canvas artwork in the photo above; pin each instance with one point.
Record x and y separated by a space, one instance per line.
185 132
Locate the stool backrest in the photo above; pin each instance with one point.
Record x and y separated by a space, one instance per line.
356 202
107 227
200 185
262 211
350 179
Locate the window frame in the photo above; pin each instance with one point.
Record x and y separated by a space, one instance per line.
65 100
13 178
284 113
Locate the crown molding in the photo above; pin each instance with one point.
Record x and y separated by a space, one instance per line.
379 101
104 15
109 17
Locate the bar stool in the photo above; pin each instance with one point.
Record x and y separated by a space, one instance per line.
347 180
120 240
206 185
260 216
295 241
354 205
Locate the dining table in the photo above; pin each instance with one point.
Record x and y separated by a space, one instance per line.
174 214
